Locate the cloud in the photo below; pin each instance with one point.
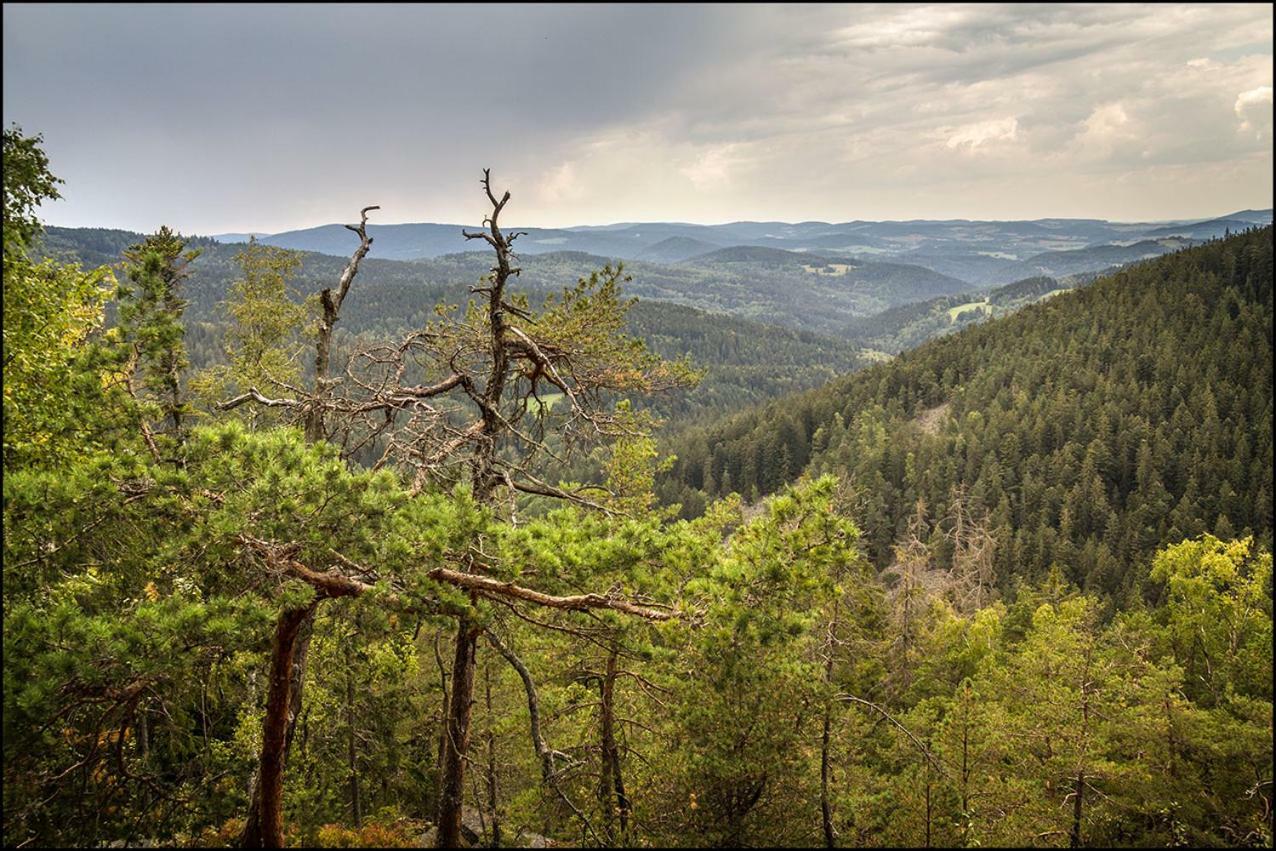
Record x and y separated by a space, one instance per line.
983 132
1254 109
916 27
561 184
598 113
1107 127
712 168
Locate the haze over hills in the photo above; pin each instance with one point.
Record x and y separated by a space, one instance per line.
978 252
746 360
773 286
887 298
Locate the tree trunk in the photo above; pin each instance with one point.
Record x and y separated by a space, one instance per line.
267 830
491 760
352 753
301 650
610 780
1074 838
143 735
928 805
443 713
456 743
826 806
826 810
965 778
298 680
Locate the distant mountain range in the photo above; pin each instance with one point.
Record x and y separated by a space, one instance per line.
803 291
759 352
745 309
976 252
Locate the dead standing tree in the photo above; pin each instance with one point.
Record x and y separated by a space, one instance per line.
972 579
499 358
477 415
330 303
294 628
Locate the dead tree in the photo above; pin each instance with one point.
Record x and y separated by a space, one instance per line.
478 417
972 579
295 626
330 303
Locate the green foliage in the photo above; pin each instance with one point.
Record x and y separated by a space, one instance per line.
55 377
263 337
1220 616
748 673
27 183
150 317
1088 429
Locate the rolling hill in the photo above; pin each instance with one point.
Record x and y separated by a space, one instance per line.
747 361
980 252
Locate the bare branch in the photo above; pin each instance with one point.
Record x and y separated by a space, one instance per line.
333 583
254 395
576 603
925 751
544 752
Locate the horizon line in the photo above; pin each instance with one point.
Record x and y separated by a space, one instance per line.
620 224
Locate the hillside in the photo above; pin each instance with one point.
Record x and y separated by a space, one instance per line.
802 290
746 361
785 288
899 328
772 286
1090 428
1213 228
981 252
1094 257
676 248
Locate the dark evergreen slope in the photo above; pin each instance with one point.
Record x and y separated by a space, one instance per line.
745 362
1091 428
909 325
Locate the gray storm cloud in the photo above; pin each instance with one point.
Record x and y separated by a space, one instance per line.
230 118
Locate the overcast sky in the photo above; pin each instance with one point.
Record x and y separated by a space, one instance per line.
223 118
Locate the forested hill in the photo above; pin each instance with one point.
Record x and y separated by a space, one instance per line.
1090 428
762 284
746 361
909 325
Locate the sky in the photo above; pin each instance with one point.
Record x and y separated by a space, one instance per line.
230 118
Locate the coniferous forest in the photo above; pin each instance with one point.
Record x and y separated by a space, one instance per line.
496 575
